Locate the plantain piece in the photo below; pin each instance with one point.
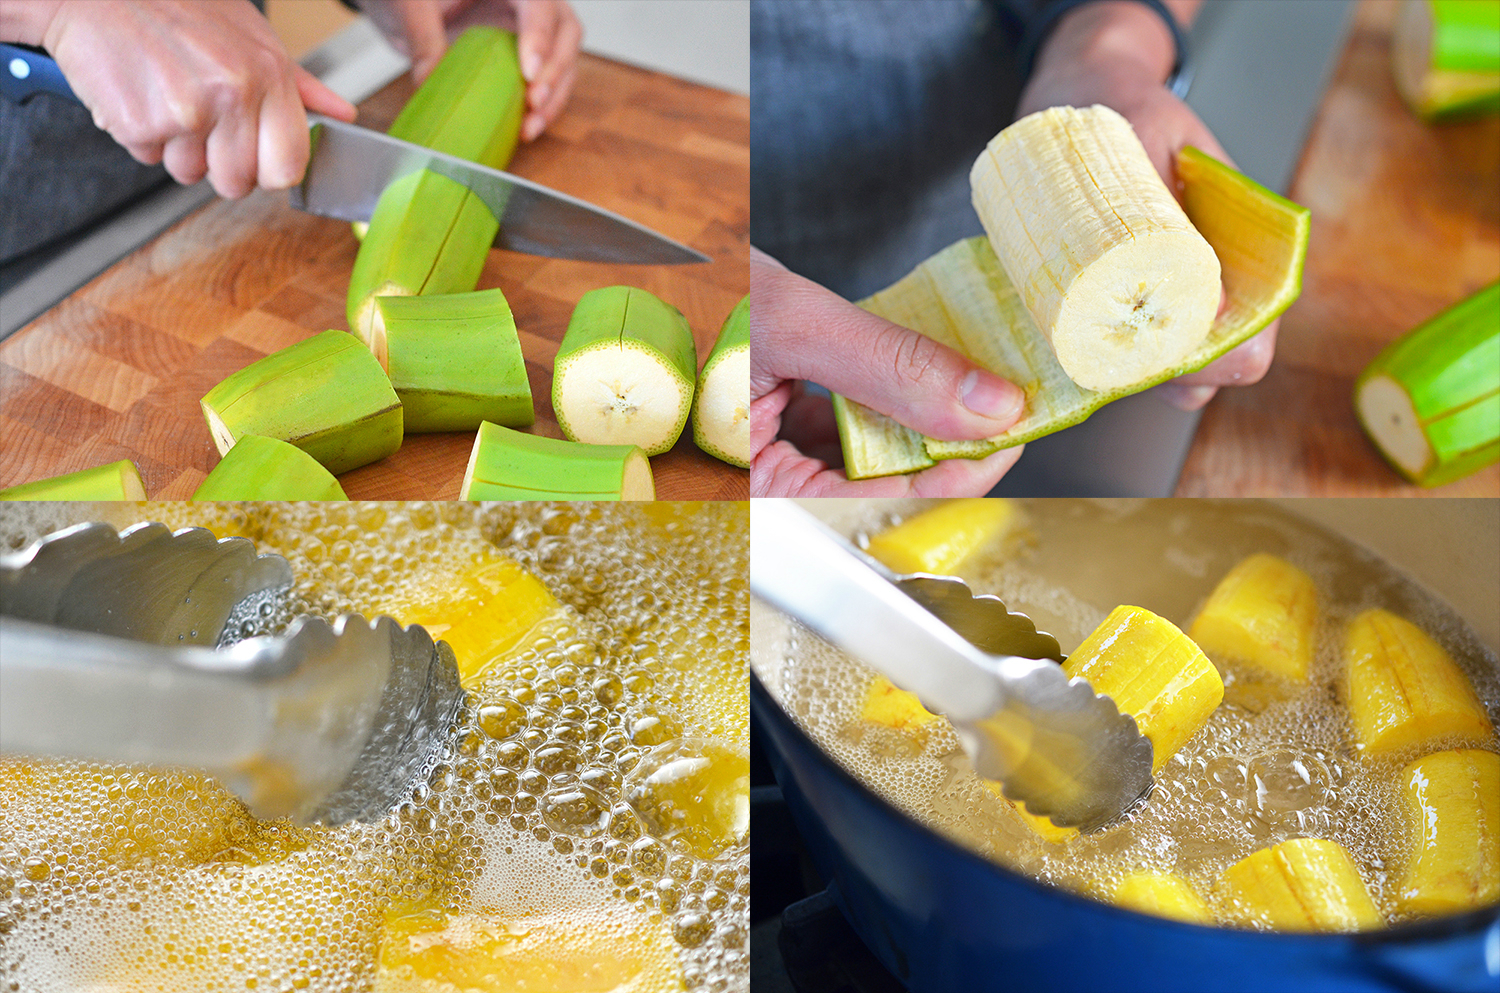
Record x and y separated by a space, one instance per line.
1102 256
623 374
116 481
1431 399
428 948
455 361
326 394
1264 612
939 540
485 611
1404 690
1445 56
1305 884
428 235
1453 815
512 465
962 298
471 106
888 705
1162 895
1043 826
721 404
258 468
1153 672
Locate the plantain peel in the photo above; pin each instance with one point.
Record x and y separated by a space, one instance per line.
963 298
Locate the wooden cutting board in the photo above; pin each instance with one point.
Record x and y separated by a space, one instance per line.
1405 223
116 370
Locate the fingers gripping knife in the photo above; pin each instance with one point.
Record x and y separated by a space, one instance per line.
1069 754
107 653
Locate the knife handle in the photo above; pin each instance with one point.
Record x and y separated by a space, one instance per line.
27 73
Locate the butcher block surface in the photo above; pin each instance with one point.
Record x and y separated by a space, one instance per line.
1405 223
116 370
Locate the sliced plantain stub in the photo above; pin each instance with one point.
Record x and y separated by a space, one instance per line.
624 372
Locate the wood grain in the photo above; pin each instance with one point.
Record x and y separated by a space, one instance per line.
1405 223
117 369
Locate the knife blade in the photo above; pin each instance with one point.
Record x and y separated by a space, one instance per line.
351 166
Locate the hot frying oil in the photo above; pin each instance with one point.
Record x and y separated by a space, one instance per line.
547 851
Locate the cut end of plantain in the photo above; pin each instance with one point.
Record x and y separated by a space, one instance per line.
624 373
116 481
513 465
1445 56
1388 416
1430 401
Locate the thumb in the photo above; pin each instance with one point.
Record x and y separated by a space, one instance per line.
801 330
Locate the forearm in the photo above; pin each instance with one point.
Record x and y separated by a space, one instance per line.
25 22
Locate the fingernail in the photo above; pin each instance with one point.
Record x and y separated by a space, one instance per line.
990 396
530 64
539 95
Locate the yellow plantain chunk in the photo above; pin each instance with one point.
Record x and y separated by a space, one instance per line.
1262 612
1163 895
1306 884
895 708
1453 806
482 611
943 538
1153 672
1404 689
427 951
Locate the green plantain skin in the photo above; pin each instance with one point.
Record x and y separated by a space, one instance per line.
513 465
326 394
259 468
455 361
116 481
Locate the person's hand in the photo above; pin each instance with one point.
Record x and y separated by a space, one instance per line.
547 33
1118 54
203 88
800 331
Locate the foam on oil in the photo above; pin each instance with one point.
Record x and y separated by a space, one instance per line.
1267 767
125 878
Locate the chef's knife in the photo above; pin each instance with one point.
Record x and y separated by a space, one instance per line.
351 166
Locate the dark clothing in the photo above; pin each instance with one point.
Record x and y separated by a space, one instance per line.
865 118
60 173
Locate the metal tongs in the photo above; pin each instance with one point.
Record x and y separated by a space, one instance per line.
1067 753
107 652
